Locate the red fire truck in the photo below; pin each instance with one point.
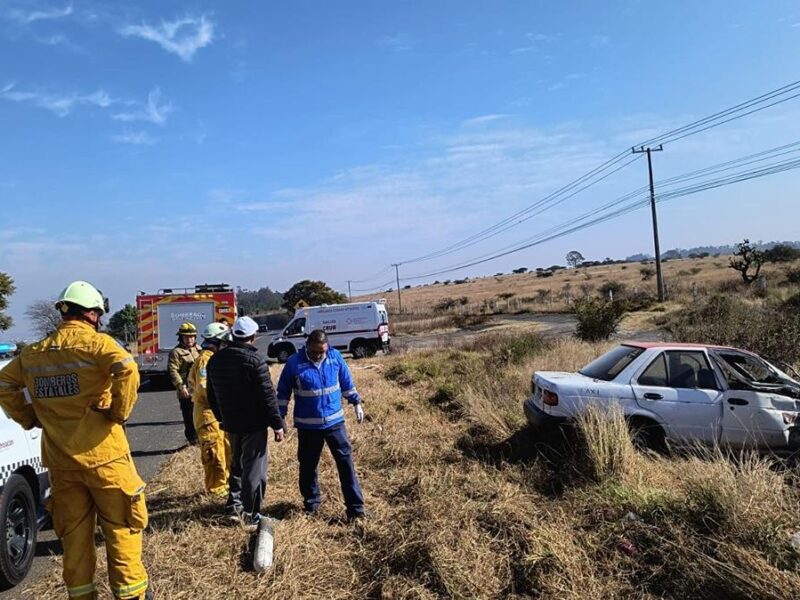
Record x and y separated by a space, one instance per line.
161 314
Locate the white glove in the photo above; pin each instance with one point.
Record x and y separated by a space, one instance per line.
359 413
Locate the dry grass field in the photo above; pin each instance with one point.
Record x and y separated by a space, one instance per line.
466 502
529 292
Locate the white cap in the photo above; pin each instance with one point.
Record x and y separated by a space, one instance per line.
244 327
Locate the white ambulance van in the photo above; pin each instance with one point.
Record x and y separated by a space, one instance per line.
361 328
24 488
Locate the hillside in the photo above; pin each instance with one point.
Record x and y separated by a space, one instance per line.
527 291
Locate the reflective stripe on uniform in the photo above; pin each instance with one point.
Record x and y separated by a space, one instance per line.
78 364
283 403
314 393
118 366
81 590
134 588
350 392
319 421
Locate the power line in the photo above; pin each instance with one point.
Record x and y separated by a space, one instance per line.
576 224
479 236
748 107
743 109
700 124
542 208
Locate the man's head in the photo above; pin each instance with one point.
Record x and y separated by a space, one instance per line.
214 336
187 334
81 301
317 345
244 329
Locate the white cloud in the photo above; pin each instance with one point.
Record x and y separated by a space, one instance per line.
484 119
61 105
183 36
40 15
153 112
136 138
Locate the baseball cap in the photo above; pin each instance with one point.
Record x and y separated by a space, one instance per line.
244 327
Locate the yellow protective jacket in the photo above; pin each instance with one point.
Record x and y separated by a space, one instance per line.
198 381
179 364
82 387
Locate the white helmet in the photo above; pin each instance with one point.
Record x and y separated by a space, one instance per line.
215 331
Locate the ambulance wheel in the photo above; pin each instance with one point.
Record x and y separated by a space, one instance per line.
284 352
17 530
361 349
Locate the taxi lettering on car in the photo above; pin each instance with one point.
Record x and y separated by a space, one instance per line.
678 393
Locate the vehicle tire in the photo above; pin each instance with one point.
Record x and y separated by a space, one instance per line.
360 349
284 352
646 434
18 527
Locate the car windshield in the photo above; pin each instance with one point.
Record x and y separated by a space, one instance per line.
748 367
610 364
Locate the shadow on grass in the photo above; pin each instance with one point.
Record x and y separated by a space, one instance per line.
173 512
549 452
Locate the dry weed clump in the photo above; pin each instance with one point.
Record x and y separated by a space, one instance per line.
606 445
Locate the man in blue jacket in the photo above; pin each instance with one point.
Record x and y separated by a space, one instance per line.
318 376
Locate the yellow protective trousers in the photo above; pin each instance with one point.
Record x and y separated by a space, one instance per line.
112 494
215 454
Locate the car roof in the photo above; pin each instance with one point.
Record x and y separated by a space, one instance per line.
647 345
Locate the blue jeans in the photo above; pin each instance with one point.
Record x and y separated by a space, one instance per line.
309 449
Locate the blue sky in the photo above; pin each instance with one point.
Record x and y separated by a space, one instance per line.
155 144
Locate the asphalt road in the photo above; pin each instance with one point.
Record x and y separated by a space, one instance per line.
155 431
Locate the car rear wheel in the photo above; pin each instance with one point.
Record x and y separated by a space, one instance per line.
17 530
647 435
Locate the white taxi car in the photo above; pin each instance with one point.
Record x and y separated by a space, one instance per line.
681 393
24 487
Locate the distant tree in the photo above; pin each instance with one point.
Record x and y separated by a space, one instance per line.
6 289
671 255
312 293
747 260
520 270
574 258
44 317
262 300
123 323
781 253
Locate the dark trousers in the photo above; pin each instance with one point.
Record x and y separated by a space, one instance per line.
309 449
248 478
187 411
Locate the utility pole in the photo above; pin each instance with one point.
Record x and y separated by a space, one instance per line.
349 293
659 276
397 275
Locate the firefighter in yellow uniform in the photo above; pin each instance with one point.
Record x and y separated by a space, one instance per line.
215 449
181 359
82 387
